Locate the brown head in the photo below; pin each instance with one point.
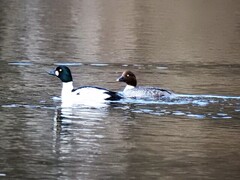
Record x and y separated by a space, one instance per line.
129 78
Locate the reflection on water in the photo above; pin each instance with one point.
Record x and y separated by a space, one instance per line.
88 134
128 138
190 47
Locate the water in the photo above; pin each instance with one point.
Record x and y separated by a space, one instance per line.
189 47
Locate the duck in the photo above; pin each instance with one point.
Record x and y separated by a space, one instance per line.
83 94
142 92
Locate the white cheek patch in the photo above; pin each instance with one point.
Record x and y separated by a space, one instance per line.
56 73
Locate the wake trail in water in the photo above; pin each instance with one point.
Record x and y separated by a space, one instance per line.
189 105
206 96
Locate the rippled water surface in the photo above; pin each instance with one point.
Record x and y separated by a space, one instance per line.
190 47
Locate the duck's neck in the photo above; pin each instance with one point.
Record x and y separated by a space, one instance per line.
67 88
128 87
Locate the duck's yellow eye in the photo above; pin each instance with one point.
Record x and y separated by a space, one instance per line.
60 70
128 75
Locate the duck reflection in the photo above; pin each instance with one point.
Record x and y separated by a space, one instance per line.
89 137
77 132
70 117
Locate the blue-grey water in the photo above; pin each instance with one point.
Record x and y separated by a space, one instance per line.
190 47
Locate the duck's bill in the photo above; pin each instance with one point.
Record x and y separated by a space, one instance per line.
52 72
120 79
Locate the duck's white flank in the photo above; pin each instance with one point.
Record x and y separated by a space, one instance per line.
87 95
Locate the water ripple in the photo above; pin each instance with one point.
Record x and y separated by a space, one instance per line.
191 106
21 63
